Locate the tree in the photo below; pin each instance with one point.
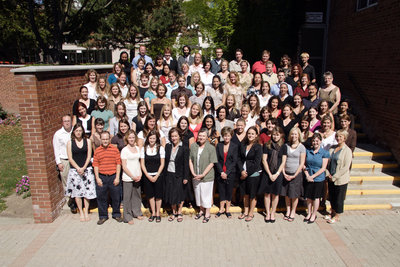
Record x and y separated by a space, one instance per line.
215 19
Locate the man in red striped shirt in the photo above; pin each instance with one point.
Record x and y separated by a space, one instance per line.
107 168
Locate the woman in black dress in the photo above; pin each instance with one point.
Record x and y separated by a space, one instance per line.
287 120
139 120
227 154
183 127
152 159
80 182
272 177
250 168
176 173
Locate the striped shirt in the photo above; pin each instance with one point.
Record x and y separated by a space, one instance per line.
107 159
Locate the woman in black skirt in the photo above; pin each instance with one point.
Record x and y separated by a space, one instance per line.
152 159
316 162
176 173
271 179
227 154
250 168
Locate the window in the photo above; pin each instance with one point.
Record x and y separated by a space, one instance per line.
363 4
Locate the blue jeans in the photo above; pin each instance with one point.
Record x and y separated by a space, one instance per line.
102 196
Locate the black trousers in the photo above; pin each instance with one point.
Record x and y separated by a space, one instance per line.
337 195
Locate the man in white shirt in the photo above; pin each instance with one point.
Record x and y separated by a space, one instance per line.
269 74
275 89
234 65
60 140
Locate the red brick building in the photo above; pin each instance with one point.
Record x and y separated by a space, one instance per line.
363 52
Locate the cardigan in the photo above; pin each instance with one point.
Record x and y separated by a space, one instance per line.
342 174
206 157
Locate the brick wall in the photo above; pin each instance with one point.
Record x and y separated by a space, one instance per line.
364 56
43 97
8 99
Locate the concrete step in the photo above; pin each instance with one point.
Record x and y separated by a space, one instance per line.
373 192
378 179
368 151
370 201
363 166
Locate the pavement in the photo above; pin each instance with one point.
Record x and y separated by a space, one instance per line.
361 238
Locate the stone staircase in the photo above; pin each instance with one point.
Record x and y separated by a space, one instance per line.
374 179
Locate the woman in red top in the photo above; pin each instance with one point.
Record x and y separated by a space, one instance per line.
195 119
303 88
164 77
227 154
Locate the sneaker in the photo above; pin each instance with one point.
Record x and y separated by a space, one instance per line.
101 221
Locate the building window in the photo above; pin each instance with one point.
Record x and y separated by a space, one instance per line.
363 4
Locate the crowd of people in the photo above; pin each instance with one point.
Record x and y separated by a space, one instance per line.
187 131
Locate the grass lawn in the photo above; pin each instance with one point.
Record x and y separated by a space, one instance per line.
12 160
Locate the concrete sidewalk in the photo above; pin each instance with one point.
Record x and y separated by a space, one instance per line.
362 238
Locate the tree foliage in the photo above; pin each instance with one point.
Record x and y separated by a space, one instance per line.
92 23
214 19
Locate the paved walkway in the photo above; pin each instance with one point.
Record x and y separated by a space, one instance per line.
362 238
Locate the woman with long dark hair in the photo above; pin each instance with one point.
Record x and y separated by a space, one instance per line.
80 182
250 168
152 160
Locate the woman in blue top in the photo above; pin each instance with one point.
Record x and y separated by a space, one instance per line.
314 170
102 112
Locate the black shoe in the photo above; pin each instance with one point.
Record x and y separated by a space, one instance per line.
101 221
119 219
158 219
272 221
305 220
74 210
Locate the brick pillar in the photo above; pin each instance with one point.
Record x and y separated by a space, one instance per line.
45 94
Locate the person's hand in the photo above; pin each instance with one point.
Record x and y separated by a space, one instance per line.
273 177
244 175
155 178
224 176
116 181
185 181
198 177
99 182
287 177
80 171
60 167
310 179
137 178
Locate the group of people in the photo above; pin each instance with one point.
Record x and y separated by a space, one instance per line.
183 130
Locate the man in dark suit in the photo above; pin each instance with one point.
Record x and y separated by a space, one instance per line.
168 59
216 62
185 58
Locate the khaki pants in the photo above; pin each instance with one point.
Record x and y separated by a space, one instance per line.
64 173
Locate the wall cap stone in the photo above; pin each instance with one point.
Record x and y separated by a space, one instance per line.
11 65
35 69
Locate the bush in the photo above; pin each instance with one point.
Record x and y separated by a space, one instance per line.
3 113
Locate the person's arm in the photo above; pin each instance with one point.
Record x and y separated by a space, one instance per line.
204 173
265 164
160 169
191 141
118 171
301 165
152 106
71 160
163 141
191 166
74 119
89 154
56 148
336 104
133 126
96 174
